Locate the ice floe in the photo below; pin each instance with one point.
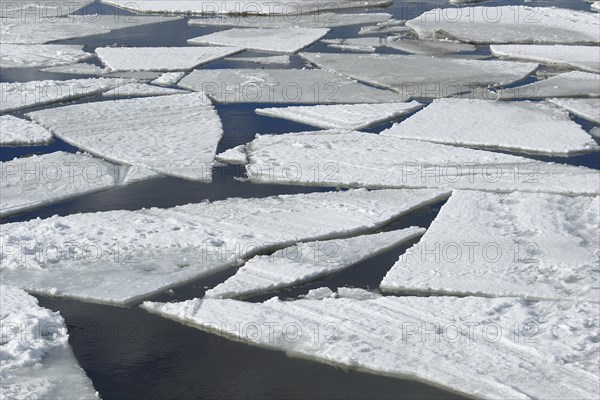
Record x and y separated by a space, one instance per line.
75 69
168 78
40 55
136 89
121 256
585 108
427 47
586 58
318 293
21 132
174 135
308 86
483 348
596 5
421 76
508 24
367 44
315 20
342 116
160 58
530 127
388 26
356 159
569 84
236 155
37 361
283 60
307 261
278 40
531 245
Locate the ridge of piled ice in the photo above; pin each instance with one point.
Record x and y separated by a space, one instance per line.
568 84
21 132
427 47
585 108
40 55
316 20
168 78
388 26
137 89
586 58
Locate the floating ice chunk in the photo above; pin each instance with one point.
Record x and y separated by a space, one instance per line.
356 293
586 58
508 24
37 361
308 86
483 348
427 47
174 135
595 132
121 256
136 89
387 26
356 159
585 108
75 69
283 60
279 40
20 95
315 20
343 116
421 76
596 5
318 294
168 78
40 55
20 132
569 84
538 128
368 44
307 261
160 58
532 245
237 155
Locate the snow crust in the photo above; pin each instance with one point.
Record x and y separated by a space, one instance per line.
21 132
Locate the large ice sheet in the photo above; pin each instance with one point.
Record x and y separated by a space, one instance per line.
584 108
20 132
37 361
531 245
508 24
586 58
137 89
342 116
428 47
530 127
121 256
21 95
40 55
174 135
308 86
569 84
421 76
315 20
307 261
160 58
483 348
356 159
278 40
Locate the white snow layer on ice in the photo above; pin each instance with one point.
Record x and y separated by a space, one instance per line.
283 60
75 69
428 47
483 348
585 108
316 20
422 76
307 261
278 40
40 55
531 245
288 86
175 135
168 78
342 116
136 89
508 24
586 58
538 128
121 256
21 132
37 361
236 155
356 159
569 84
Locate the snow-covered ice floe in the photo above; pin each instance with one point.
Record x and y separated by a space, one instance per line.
40 55
160 58
531 245
307 261
530 127
356 159
569 84
119 257
288 86
428 47
21 132
282 59
586 58
314 20
508 24
394 26
585 108
168 78
37 361
136 89
236 155
75 69
278 40
484 348
175 135
39 9
421 76
366 44
342 116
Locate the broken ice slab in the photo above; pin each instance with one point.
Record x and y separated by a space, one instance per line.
277 40
356 159
585 108
288 86
119 257
387 26
37 361
75 69
21 95
283 60
40 55
368 44
586 58
427 47
482 348
529 127
175 135
160 58
315 20
421 76
596 5
508 24
236 155
168 78
342 116
137 89
307 261
21 132
569 84
531 245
